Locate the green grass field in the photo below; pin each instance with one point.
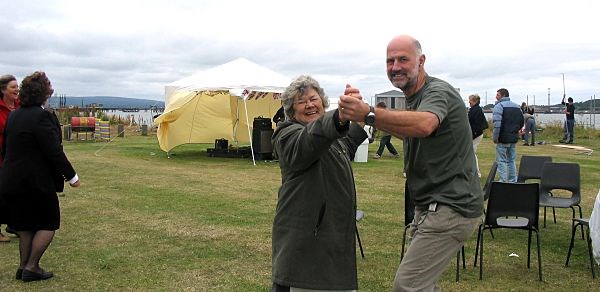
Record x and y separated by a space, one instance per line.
142 221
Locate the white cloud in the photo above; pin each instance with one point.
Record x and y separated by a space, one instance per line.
133 48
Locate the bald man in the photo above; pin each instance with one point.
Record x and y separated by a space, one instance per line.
441 171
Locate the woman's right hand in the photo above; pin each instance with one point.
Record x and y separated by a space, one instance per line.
75 184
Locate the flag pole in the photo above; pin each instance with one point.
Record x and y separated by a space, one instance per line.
564 91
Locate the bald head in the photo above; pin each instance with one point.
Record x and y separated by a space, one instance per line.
405 63
405 41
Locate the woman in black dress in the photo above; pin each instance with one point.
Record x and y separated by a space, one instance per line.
35 168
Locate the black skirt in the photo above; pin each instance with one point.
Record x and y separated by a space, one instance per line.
32 212
3 206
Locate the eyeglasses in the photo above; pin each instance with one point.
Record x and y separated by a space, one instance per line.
304 102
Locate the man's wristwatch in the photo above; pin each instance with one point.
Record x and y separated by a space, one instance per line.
370 117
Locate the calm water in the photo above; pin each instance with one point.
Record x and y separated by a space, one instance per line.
143 117
588 120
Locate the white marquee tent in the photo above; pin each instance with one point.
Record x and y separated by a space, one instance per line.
220 102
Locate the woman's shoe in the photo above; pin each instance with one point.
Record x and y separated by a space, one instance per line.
29 276
19 274
11 231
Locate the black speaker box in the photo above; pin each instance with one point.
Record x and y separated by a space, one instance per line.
261 141
221 144
261 123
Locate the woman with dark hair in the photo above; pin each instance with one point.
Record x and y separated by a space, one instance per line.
9 101
35 169
314 229
529 118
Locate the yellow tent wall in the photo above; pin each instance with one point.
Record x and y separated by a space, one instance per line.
203 116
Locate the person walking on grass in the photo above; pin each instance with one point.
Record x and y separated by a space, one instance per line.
386 139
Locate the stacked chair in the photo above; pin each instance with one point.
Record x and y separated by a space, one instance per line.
560 176
531 167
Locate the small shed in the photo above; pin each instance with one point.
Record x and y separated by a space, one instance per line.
394 99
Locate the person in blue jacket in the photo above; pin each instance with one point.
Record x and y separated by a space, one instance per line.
508 120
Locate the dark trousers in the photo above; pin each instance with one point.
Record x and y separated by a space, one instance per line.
530 128
385 142
569 127
279 288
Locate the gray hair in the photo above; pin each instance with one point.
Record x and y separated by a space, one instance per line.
418 48
297 88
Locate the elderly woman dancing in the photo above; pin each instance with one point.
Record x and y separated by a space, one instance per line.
314 233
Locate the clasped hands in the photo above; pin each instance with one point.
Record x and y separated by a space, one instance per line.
351 106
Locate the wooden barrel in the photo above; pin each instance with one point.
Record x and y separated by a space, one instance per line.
97 135
105 130
83 124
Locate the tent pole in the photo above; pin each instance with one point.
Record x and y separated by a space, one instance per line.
237 121
248 124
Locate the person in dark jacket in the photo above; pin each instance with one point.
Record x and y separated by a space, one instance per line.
279 116
508 120
569 128
313 244
35 168
478 123
524 107
386 139
529 126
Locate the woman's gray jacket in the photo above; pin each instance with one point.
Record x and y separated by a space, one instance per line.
314 227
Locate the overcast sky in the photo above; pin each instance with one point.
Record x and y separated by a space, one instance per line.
133 48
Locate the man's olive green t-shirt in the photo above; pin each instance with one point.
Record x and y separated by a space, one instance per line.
441 167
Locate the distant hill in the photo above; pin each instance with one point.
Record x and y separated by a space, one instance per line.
589 104
593 105
107 101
